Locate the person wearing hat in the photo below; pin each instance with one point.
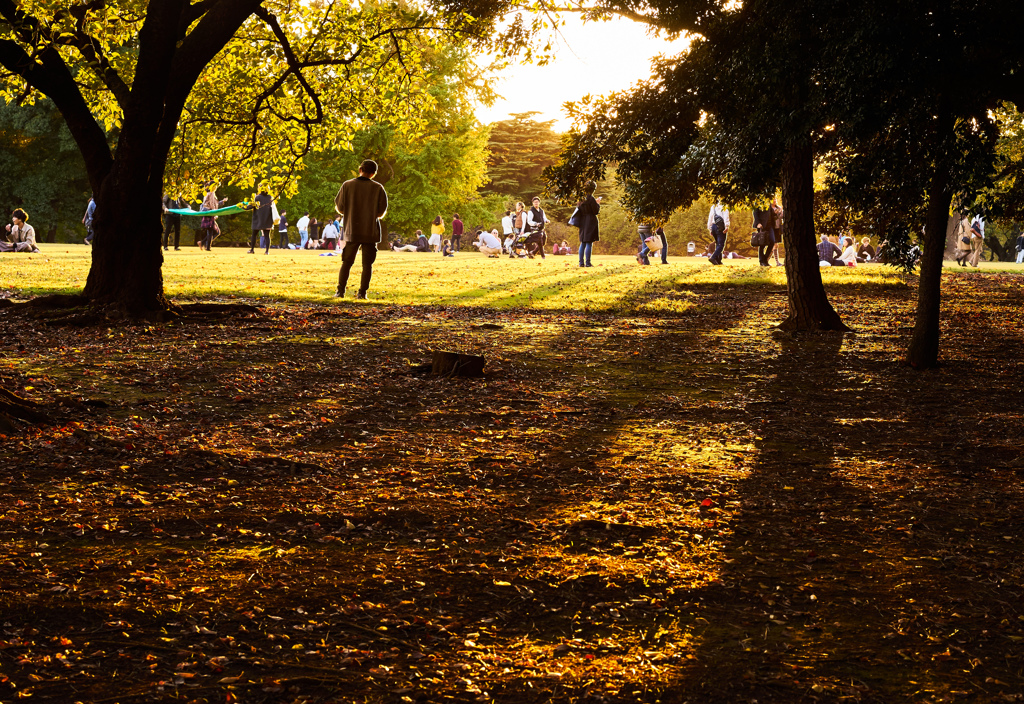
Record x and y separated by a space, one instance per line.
21 237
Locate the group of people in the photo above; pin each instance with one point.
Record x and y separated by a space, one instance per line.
767 226
830 254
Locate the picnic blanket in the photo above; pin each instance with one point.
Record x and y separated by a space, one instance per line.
243 207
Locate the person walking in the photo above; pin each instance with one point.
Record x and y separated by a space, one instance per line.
763 224
172 221
776 211
209 222
90 212
590 226
660 232
718 226
977 241
303 227
436 232
536 221
363 203
282 230
457 229
262 220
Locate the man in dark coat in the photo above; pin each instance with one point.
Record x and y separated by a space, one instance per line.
172 221
262 219
362 203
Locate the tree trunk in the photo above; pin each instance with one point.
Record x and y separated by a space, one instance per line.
126 270
923 352
809 307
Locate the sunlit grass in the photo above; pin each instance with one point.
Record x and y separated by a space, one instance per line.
615 283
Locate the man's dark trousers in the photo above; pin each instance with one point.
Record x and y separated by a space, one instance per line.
719 235
348 258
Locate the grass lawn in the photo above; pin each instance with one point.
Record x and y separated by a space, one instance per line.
647 498
616 283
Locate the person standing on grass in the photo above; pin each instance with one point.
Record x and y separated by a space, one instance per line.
718 226
262 220
590 226
763 223
363 203
209 222
1020 248
303 227
776 221
282 230
436 233
506 224
172 221
457 229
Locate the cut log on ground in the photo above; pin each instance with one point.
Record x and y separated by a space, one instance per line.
457 364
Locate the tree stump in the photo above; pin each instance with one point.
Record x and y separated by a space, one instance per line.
456 364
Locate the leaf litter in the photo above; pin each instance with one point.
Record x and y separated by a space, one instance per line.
624 508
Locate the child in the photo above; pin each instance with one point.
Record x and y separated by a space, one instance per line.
446 249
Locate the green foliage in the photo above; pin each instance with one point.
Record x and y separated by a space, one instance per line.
520 149
437 171
43 170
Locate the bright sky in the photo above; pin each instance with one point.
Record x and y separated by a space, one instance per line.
596 58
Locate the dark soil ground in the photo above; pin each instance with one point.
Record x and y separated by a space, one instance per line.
682 509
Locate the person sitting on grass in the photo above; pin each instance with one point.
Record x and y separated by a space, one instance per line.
849 255
561 249
420 245
21 237
865 253
828 253
507 245
488 243
446 249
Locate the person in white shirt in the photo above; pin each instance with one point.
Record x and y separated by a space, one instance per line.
331 233
509 241
488 243
718 230
849 255
506 224
536 218
303 227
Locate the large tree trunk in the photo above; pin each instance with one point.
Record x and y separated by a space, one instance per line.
923 352
809 307
126 274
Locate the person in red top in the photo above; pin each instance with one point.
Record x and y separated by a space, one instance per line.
457 229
